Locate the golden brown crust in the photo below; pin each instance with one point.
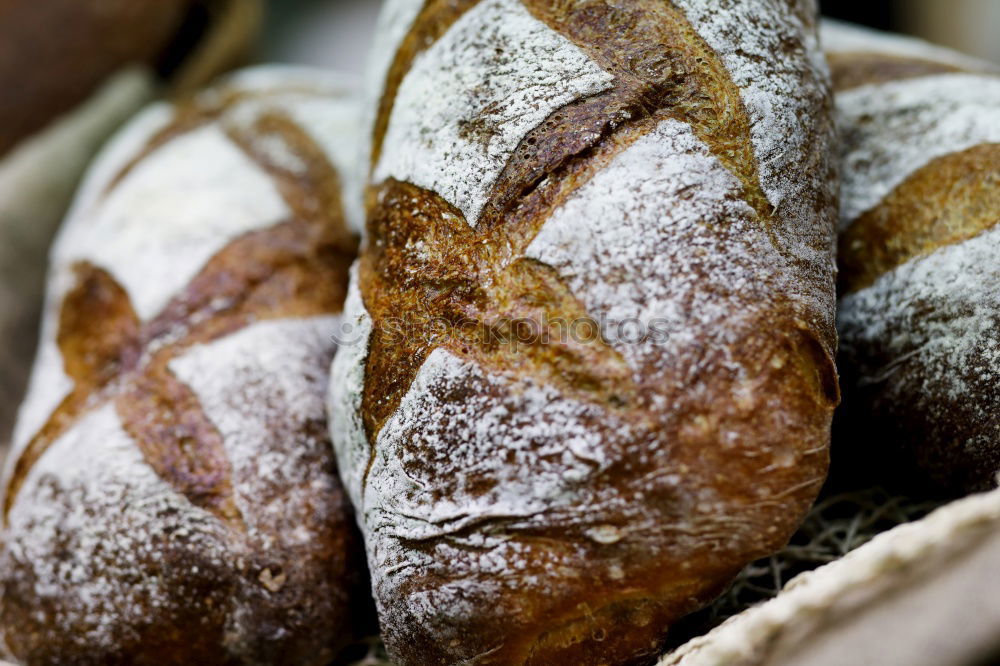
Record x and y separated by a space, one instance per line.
457 292
294 269
950 199
433 281
53 54
676 562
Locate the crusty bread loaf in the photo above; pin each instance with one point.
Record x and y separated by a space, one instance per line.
919 280
530 491
172 496
72 73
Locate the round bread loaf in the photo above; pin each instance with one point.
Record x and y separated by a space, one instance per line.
593 374
172 496
919 315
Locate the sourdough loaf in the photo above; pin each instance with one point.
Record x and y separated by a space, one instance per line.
919 282
593 373
72 73
172 496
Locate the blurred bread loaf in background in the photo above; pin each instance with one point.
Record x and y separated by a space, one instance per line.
171 496
919 286
72 71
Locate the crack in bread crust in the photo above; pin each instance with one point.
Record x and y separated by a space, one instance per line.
669 73
297 268
663 67
947 201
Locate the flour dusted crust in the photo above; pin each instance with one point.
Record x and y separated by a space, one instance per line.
49 385
924 339
919 298
344 403
332 119
751 39
891 130
433 131
214 175
394 21
563 498
657 278
172 495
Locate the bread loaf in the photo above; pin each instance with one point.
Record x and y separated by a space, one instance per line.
172 496
919 280
594 374
72 73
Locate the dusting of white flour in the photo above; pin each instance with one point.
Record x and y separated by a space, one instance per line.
937 313
779 91
470 98
94 528
891 130
89 510
347 431
652 262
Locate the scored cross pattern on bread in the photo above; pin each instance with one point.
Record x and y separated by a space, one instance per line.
173 495
662 69
472 273
561 499
110 354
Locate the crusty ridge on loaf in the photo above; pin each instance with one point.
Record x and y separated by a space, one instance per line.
558 499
